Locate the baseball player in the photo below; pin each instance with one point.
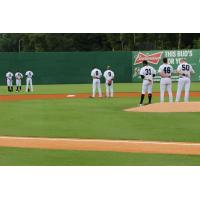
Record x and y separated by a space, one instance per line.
184 70
147 73
96 75
9 76
165 71
109 76
18 77
29 75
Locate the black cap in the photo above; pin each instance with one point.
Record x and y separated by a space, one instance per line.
165 60
145 62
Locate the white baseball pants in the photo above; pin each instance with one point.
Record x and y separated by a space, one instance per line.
109 89
147 87
96 84
18 82
166 83
29 82
9 83
183 82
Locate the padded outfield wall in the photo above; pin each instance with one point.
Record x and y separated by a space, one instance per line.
155 60
66 67
75 67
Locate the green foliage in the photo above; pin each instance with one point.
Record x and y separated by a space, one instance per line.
10 42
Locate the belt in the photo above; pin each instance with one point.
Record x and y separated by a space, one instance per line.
166 77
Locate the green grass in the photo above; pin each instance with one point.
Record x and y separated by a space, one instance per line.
95 118
38 157
87 88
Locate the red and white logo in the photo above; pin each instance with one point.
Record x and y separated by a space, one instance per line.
151 58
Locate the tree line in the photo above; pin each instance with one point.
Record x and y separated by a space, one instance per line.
40 42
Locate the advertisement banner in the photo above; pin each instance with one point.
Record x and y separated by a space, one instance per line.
155 57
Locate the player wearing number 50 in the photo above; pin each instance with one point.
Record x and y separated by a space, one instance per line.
109 76
165 71
29 75
96 75
147 73
184 70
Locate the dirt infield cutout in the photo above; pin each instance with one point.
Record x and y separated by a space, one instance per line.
102 145
168 107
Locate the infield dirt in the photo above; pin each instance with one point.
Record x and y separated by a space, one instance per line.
103 145
168 107
14 97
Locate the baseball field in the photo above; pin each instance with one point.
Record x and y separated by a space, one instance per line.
34 127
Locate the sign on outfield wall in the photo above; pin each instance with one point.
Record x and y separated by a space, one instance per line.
154 59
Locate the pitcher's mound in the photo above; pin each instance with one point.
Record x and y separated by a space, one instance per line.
168 107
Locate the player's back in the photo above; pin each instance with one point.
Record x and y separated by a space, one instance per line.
29 74
148 72
108 74
185 69
9 74
166 70
96 73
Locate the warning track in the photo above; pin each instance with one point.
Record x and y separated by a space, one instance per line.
103 145
15 97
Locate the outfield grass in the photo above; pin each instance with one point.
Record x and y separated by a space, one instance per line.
95 118
87 88
38 157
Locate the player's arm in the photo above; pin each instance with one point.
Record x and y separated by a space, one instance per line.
191 70
142 74
154 72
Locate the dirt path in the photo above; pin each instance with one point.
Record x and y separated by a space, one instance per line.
15 97
103 145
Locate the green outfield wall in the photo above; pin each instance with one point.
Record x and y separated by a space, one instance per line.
75 67
66 67
155 60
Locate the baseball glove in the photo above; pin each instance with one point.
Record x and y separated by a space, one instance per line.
110 82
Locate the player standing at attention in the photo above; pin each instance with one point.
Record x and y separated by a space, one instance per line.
18 77
9 76
165 71
184 70
96 75
29 75
109 76
147 73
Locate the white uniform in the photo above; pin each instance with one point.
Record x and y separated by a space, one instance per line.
166 71
18 77
96 75
147 72
9 76
29 75
109 76
184 71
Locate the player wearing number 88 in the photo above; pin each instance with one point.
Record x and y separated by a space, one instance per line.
96 75
109 76
165 71
184 70
147 73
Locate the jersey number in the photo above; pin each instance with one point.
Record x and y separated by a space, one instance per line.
97 73
148 71
109 73
185 67
167 70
